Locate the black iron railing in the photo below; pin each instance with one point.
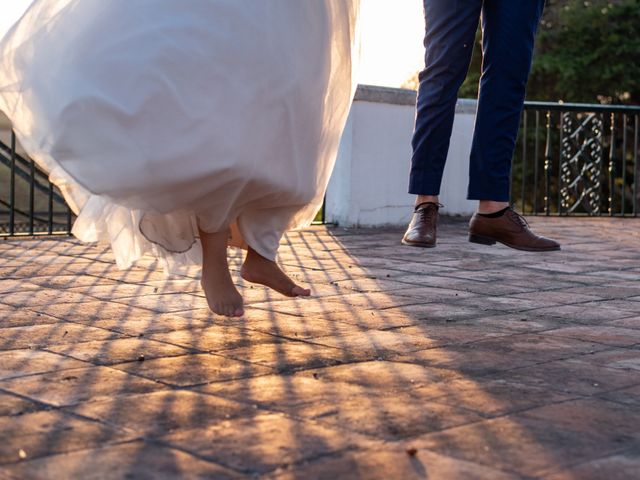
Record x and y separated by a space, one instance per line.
29 203
571 159
577 159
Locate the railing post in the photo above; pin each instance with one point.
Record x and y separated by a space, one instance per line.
12 187
524 159
50 217
612 159
536 156
635 165
547 167
32 186
624 164
560 159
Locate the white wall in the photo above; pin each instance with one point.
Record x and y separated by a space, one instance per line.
370 180
369 183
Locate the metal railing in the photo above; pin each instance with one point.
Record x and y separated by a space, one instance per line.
571 159
577 159
30 204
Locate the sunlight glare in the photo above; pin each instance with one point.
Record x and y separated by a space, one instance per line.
392 33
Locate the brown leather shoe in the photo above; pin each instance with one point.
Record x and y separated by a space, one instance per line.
423 226
510 229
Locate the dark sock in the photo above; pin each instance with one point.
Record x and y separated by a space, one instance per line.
426 203
494 214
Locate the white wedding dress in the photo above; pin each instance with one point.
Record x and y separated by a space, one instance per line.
156 116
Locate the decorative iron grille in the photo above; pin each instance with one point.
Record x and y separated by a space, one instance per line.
577 159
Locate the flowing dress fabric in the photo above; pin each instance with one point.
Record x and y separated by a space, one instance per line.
155 117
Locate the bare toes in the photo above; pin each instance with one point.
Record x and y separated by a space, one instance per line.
225 310
300 292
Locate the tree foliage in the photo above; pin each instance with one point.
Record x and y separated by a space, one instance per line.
587 51
591 55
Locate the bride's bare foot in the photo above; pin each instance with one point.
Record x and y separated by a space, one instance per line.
222 296
257 269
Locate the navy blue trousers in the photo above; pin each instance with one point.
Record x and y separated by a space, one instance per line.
508 35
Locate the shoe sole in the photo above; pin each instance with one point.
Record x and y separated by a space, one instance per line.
481 240
416 244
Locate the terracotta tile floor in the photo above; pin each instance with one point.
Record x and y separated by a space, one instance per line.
459 362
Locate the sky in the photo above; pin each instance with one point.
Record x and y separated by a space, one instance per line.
392 33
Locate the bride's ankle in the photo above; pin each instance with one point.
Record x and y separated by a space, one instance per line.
250 271
246 272
254 259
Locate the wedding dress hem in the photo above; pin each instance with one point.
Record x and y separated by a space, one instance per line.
153 117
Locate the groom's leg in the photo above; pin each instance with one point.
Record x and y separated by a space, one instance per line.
450 32
508 35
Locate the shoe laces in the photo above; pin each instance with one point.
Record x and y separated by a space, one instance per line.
424 209
517 217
